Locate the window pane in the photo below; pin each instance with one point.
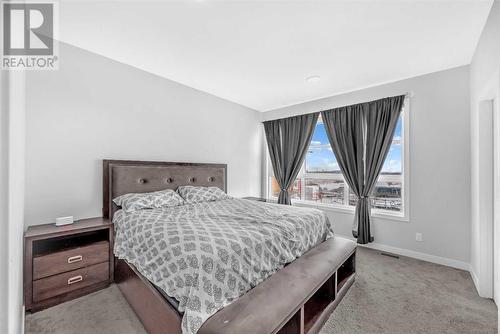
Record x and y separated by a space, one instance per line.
274 189
392 163
386 194
295 191
324 190
352 198
320 180
320 157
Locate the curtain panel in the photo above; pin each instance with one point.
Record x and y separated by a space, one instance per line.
287 141
360 136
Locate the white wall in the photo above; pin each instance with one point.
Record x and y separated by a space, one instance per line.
12 154
4 180
15 208
439 166
484 86
94 108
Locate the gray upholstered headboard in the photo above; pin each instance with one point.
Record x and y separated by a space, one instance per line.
124 176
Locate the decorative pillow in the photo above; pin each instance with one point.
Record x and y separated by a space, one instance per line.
158 199
193 194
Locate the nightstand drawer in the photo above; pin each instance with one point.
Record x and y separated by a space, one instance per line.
71 259
56 285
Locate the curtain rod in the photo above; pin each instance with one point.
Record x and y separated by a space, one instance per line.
408 94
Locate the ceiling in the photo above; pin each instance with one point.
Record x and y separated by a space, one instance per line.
259 53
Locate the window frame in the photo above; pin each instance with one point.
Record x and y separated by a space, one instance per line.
349 209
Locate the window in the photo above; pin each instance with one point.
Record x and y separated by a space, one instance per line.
321 182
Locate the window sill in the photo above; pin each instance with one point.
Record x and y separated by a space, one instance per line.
377 214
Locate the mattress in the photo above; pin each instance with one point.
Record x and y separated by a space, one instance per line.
206 255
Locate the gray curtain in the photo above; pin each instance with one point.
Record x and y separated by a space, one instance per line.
287 142
360 136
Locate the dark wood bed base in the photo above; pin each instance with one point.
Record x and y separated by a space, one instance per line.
156 313
298 299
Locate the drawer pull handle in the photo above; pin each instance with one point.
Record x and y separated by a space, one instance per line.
75 259
75 279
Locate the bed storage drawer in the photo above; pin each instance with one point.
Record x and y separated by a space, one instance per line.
71 259
73 280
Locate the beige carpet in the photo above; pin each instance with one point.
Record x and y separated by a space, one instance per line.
395 296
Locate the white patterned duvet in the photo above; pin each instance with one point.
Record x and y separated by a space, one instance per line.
208 254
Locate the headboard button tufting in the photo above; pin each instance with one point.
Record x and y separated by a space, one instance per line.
141 181
169 180
211 178
192 179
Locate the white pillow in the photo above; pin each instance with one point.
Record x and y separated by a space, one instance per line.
153 200
193 194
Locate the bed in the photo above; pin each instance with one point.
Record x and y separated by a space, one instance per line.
290 288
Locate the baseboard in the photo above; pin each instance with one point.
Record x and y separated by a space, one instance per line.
416 255
475 279
489 294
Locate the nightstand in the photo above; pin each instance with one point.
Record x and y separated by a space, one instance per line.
66 262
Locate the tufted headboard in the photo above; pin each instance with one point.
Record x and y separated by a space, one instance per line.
124 176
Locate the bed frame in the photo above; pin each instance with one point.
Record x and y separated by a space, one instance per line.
298 299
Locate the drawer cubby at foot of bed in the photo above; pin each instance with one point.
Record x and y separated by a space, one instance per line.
317 309
320 306
297 299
